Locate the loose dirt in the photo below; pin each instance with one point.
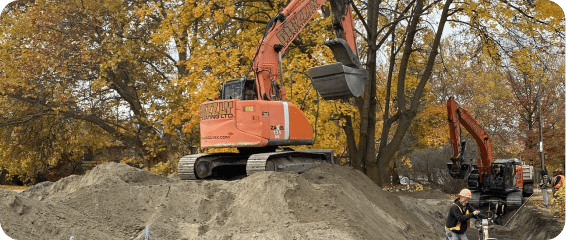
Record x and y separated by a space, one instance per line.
116 201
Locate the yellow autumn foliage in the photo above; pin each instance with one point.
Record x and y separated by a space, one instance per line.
558 203
162 168
100 75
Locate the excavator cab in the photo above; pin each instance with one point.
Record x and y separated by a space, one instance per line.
241 89
501 176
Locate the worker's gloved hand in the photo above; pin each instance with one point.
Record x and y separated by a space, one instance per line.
476 212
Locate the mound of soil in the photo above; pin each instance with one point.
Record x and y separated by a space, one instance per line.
527 223
116 201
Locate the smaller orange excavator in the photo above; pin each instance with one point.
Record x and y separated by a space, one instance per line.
503 181
253 115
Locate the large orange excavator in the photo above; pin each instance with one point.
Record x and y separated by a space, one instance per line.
503 182
253 115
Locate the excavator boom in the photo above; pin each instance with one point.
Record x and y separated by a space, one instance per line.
346 79
460 117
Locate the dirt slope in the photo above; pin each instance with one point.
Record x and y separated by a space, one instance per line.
115 201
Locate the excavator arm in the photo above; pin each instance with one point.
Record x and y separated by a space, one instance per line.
457 117
280 32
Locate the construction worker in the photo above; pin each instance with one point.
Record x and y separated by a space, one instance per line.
459 216
557 181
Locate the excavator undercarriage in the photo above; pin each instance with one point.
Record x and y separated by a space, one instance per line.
230 165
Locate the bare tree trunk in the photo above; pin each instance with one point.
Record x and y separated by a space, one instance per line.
405 114
351 141
370 160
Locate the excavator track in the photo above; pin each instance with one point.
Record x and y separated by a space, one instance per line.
475 200
514 199
294 161
229 165
185 168
216 165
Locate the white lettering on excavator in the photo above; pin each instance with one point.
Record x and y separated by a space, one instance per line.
292 26
276 132
214 137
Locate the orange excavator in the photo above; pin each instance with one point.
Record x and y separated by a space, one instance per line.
503 182
253 115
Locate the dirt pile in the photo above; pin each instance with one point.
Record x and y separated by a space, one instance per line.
528 223
115 201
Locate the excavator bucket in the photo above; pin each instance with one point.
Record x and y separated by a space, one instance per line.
340 80
337 81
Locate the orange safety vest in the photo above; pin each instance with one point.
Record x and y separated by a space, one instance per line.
558 184
457 228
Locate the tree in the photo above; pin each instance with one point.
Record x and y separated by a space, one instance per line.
523 48
430 164
417 46
495 72
413 54
133 74
479 87
87 64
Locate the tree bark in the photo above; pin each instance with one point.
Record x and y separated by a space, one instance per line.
370 159
405 114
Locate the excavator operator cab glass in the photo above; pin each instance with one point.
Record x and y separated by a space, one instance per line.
497 176
242 89
502 172
510 173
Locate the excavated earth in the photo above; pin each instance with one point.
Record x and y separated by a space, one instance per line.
116 201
